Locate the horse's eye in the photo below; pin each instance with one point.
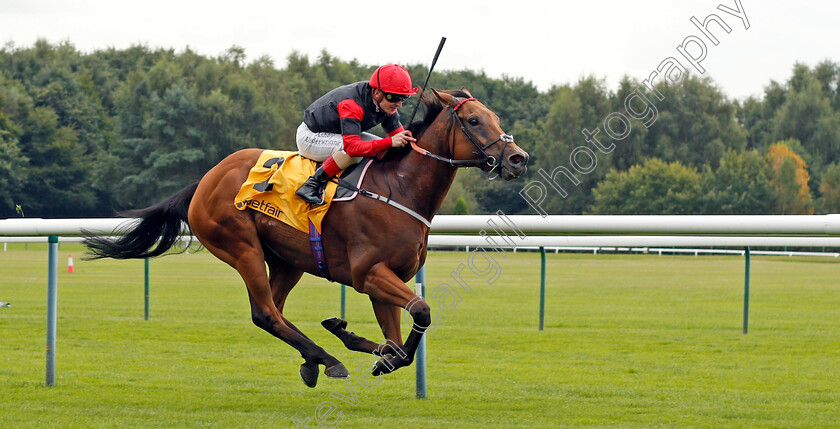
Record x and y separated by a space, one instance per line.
473 120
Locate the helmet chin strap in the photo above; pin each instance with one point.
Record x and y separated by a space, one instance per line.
376 103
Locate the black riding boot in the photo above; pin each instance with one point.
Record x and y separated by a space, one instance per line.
313 189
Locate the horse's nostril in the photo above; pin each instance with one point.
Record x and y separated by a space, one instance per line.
516 159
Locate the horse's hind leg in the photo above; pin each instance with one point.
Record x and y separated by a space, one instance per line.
283 277
239 247
232 236
266 315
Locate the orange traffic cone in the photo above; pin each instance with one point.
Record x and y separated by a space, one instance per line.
70 268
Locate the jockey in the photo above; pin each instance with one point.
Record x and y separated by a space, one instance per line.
333 126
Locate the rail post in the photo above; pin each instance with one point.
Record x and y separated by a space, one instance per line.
343 302
146 289
420 357
542 288
747 290
52 304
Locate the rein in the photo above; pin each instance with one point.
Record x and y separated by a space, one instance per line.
490 160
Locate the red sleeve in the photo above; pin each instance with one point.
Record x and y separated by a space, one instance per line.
351 114
397 131
349 109
391 124
355 146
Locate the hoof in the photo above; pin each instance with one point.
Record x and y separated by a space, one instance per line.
388 364
309 374
384 365
380 368
333 324
337 371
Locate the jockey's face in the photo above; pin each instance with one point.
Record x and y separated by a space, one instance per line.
386 106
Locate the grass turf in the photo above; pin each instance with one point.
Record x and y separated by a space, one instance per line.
629 341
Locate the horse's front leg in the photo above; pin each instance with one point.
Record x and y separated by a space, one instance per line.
387 290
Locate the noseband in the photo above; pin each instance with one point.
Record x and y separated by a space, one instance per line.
490 160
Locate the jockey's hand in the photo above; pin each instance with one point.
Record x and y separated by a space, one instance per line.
401 139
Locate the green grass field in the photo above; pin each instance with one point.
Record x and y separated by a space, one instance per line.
630 341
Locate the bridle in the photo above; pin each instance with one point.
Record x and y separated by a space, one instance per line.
490 160
482 149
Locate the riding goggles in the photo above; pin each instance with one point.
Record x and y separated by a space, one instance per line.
395 98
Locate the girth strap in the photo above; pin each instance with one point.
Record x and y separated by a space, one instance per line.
318 252
375 196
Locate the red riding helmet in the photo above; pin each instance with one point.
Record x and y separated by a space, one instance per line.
393 79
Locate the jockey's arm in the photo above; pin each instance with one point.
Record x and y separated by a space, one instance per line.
351 115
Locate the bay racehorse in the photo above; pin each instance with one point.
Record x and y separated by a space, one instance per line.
369 245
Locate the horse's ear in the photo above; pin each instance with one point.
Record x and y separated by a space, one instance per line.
464 89
445 98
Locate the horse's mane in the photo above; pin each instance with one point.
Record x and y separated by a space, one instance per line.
432 108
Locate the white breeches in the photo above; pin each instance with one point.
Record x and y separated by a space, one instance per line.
319 146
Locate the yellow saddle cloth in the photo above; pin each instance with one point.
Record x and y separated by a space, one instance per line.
271 185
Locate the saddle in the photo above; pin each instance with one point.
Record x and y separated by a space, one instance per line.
272 182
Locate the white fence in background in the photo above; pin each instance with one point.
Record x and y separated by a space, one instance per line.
813 225
518 231
446 242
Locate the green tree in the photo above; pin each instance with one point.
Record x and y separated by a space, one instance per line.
632 149
741 185
829 200
120 128
172 153
458 191
461 207
655 187
696 124
57 182
12 164
572 109
807 116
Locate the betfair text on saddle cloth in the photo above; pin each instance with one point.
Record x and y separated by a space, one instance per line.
272 181
271 185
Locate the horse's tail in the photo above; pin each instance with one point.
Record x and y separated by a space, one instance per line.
158 229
